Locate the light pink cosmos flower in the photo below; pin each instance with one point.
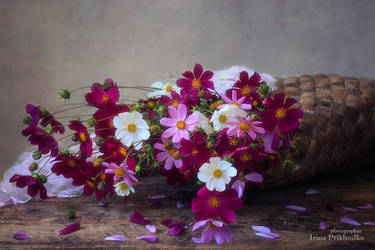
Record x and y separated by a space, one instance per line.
245 126
215 229
171 156
179 124
120 172
239 184
235 101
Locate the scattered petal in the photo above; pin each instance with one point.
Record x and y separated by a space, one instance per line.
118 237
312 191
369 223
180 204
350 209
158 197
102 204
138 218
21 236
265 232
261 229
176 227
70 229
350 221
322 226
368 206
269 235
296 208
151 228
148 238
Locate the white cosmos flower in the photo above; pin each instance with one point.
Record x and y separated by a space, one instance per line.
203 122
131 129
122 189
216 174
165 88
226 113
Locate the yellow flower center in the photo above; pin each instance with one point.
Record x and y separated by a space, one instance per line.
233 141
244 127
175 104
241 178
196 84
234 103
105 98
123 186
214 201
111 124
180 125
272 157
132 127
222 118
72 163
98 163
214 153
245 157
119 172
153 128
217 173
194 152
82 137
255 103
168 88
103 176
123 151
245 91
151 104
90 184
280 113
174 153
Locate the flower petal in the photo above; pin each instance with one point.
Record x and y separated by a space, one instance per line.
311 191
350 209
254 177
158 197
117 237
369 223
151 228
148 238
70 229
295 208
350 221
368 206
268 235
21 236
261 229
138 218
322 226
180 204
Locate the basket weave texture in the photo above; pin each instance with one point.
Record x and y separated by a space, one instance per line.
337 131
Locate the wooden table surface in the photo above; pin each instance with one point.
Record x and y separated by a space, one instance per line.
42 219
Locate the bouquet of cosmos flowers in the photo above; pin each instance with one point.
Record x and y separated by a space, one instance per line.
219 137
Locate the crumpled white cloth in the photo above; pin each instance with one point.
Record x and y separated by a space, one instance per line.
61 187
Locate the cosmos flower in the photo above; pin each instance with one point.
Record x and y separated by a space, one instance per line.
244 126
247 85
212 204
123 189
121 172
235 101
216 174
179 123
166 88
83 137
102 95
170 155
33 183
203 122
192 83
131 129
221 117
215 229
45 142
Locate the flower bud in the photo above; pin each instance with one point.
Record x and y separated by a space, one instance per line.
98 162
106 86
74 138
35 175
91 122
70 214
34 166
99 141
37 155
101 185
65 94
42 111
43 178
26 120
49 131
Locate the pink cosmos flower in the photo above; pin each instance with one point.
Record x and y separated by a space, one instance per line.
211 204
240 183
215 229
179 124
235 101
245 126
120 172
170 156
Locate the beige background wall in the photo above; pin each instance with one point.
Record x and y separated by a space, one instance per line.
47 45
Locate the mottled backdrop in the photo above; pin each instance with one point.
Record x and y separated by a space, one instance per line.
48 45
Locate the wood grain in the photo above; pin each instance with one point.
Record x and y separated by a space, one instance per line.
42 219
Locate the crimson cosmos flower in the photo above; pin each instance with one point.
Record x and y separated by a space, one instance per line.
34 185
280 114
247 85
46 143
211 204
195 82
114 151
83 137
246 158
101 95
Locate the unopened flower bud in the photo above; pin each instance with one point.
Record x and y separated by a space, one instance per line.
211 143
35 175
37 155
99 141
26 120
137 169
101 185
49 131
147 148
91 122
65 94
106 86
74 138
42 111
70 214
34 166
43 178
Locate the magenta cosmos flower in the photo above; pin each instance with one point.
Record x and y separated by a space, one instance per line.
179 124
101 95
195 82
46 143
235 100
120 172
245 126
215 229
34 185
248 85
280 114
83 137
212 204
169 155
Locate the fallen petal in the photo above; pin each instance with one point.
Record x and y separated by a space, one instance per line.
151 228
312 191
369 223
180 204
368 206
268 235
323 226
350 221
296 208
262 229
350 209
138 218
158 197
21 236
70 229
118 237
177 229
148 238
102 204
168 223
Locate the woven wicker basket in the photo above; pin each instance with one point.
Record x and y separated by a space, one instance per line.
338 128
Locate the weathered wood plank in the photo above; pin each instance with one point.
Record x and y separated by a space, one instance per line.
266 207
